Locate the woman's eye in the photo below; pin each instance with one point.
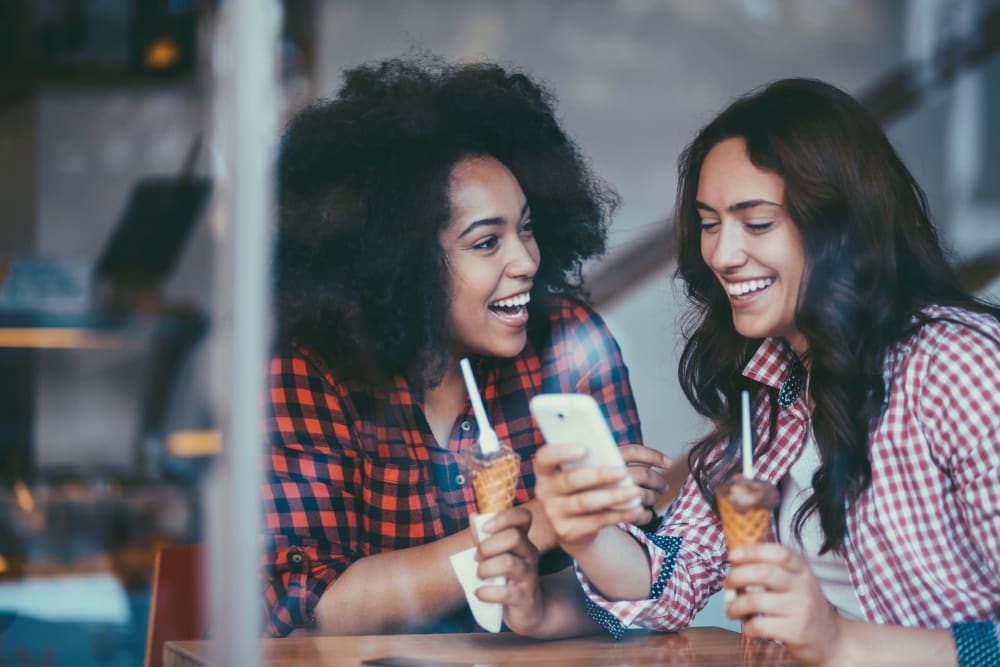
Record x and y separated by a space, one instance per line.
758 226
488 243
709 226
528 228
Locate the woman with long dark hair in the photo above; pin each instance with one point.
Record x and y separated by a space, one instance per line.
818 285
429 212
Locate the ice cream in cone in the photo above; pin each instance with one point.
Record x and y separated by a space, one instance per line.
745 508
494 477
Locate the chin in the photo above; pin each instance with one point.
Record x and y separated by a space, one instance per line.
754 331
507 349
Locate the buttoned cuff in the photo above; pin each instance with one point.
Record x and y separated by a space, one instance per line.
617 616
296 580
977 644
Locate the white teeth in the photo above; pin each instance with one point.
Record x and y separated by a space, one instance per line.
747 286
514 301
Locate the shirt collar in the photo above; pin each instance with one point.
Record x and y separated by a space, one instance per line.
776 365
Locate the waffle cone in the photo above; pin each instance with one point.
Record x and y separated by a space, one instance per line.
496 484
743 528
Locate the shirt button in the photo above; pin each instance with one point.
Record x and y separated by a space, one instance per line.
295 558
862 590
466 425
460 479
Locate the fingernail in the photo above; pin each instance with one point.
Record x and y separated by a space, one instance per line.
737 553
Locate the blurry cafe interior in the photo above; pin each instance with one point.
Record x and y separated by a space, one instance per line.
136 147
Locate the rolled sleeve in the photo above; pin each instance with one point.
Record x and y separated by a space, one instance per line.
296 577
617 616
688 565
309 495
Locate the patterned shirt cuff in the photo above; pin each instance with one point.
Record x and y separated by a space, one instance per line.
976 644
617 616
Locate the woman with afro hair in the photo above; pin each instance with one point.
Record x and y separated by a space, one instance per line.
429 212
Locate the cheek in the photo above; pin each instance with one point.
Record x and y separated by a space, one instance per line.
706 251
534 251
797 270
468 291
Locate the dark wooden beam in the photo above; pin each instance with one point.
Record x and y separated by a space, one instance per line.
629 267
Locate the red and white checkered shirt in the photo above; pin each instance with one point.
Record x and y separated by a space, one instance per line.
352 471
923 540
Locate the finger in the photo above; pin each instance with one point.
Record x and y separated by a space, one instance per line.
771 577
767 627
601 499
649 478
589 477
775 554
515 517
499 594
757 602
648 498
640 454
472 530
549 458
507 565
647 515
509 594
508 540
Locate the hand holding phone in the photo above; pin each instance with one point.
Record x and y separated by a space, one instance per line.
577 419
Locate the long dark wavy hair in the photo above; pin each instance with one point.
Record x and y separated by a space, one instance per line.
873 261
363 195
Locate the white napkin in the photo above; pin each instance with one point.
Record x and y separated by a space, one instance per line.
489 615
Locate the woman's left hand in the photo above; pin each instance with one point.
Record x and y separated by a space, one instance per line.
784 602
646 467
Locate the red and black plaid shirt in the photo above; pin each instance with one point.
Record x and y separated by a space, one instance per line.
353 472
923 540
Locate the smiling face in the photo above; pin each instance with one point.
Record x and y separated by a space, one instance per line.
750 243
492 258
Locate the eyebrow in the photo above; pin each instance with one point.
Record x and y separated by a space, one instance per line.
738 206
487 222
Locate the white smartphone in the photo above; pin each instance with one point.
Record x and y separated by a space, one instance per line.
577 419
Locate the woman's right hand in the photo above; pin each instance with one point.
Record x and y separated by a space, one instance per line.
581 501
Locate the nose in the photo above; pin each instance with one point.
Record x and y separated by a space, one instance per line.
727 250
524 258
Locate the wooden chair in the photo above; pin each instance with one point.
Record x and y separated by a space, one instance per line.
176 610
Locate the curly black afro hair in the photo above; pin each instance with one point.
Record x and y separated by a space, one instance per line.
363 195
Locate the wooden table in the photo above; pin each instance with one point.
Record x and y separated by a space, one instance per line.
694 647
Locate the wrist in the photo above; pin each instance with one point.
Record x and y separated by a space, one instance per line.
848 648
540 532
579 549
526 623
